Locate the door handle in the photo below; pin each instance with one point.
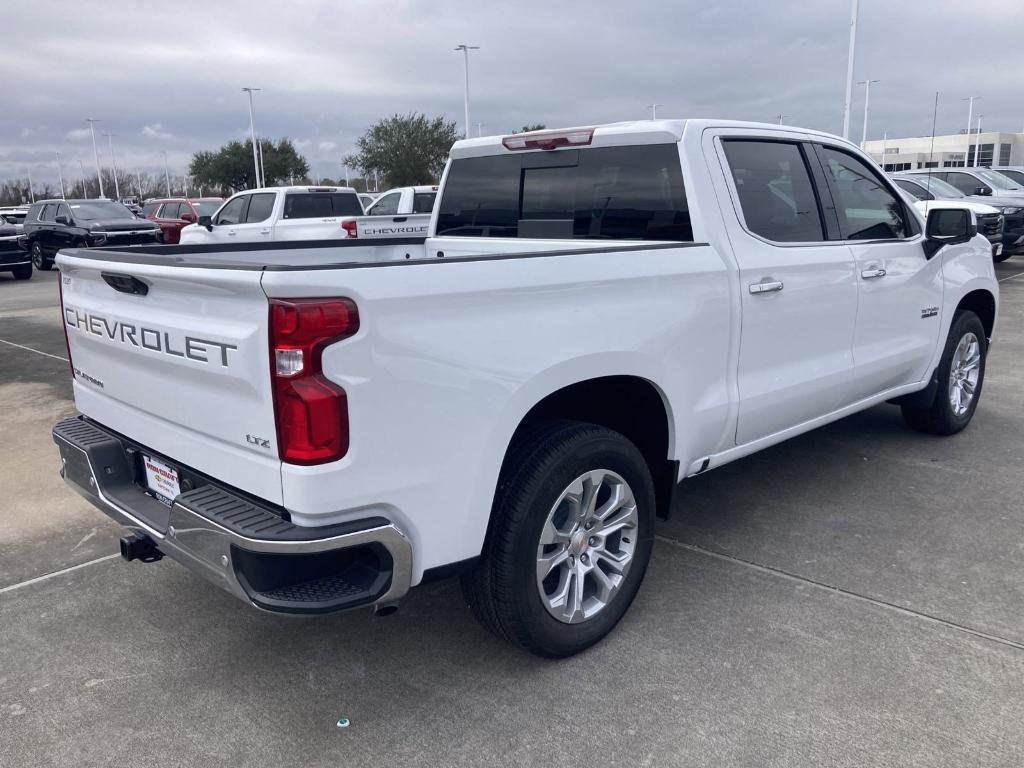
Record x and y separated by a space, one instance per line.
264 231
871 274
232 233
766 286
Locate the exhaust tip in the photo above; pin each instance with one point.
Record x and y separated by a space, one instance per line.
386 609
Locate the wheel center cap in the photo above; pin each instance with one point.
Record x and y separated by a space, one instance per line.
578 543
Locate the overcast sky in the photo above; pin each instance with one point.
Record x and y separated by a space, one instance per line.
167 76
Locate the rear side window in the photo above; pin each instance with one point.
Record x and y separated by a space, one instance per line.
616 193
319 205
868 210
423 202
261 205
775 190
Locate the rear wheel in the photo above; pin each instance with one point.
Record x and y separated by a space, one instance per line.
961 375
24 272
573 526
39 258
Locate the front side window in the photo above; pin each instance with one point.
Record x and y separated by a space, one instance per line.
150 210
387 205
775 190
233 211
261 205
62 210
49 212
170 211
996 180
608 193
964 182
867 209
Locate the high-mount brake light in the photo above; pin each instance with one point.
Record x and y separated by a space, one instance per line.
311 411
351 226
580 137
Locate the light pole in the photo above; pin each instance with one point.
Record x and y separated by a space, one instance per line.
970 114
95 152
31 192
654 110
263 168
60 175
85 187
849 69
138 178
167 175
885 143
252 132
781 117
113 164
867 98
465 54
977 144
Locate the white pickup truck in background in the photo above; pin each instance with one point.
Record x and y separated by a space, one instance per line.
596 315
403 212
277 214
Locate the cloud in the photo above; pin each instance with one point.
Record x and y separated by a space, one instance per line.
154 132
730 59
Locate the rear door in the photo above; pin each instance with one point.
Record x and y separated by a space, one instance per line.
181 364
900 290
798 285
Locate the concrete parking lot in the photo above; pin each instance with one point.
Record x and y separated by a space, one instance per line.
850 598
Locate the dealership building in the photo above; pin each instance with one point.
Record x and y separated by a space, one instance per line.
993 147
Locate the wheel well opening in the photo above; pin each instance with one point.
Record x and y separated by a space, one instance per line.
627 404
983 304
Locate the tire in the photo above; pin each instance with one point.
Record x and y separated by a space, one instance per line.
24 272
505 591
39 259
944 416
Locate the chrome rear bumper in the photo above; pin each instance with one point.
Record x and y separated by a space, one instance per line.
239 544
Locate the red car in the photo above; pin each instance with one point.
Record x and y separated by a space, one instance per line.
173 213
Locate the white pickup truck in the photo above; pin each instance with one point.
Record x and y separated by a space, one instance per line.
596 315
277 214
402 212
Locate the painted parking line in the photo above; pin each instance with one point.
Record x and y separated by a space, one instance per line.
882 604
1004 279
61 572
30 349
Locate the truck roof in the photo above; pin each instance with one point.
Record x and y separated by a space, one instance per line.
618 134
302 188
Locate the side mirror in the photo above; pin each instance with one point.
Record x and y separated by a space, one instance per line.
206 221
64 220
983 191
189 217
948 226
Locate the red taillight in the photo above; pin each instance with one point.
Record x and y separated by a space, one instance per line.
311 411
64 322
351 227
579 137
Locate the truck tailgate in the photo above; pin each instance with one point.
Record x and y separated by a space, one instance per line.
176 358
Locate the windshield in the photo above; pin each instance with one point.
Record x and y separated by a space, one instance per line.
94 211
997 180
938 187
13 218
207 207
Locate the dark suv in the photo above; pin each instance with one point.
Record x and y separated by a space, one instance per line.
55 224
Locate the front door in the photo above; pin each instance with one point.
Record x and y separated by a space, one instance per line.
798 288
900 302
255 225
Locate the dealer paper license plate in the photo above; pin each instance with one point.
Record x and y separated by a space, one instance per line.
162 479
